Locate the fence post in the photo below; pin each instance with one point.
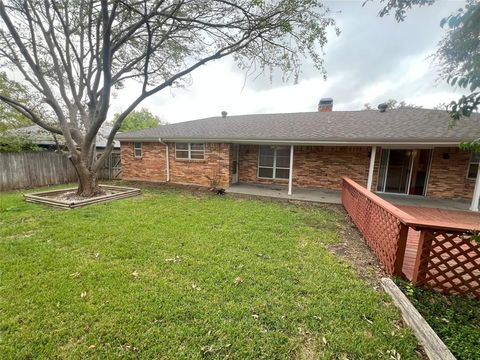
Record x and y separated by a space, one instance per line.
419 276
401 247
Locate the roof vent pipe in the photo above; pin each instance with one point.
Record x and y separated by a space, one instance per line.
224 114
382 107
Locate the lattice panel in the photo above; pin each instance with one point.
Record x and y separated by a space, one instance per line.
449 263
380 228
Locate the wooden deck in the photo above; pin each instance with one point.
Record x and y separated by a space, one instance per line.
466 219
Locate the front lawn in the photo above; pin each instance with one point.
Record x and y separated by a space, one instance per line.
173 274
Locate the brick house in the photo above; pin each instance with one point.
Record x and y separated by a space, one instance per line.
404 151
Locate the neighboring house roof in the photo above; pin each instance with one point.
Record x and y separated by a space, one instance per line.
352 127
43 137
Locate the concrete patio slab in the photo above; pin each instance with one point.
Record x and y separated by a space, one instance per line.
423 201
279 192
334 197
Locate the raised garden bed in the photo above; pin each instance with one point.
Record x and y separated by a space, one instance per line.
67 198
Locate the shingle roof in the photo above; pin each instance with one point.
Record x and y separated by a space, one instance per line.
401 125
42 137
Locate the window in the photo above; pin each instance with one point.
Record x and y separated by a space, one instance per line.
473 165
274 162
137 149
189 151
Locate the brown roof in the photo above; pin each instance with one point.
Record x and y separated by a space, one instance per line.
366 126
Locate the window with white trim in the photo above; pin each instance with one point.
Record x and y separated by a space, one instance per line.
473 165
189 151
274 162
137 149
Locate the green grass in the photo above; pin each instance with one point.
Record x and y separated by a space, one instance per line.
158 272
456 319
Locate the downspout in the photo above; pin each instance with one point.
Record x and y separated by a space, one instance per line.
167 158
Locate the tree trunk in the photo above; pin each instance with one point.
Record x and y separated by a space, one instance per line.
87 180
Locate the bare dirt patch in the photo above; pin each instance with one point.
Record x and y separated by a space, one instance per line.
356 251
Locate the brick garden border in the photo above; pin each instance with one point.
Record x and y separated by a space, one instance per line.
120 192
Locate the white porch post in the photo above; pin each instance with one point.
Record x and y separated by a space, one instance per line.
476 193
372 166
290 175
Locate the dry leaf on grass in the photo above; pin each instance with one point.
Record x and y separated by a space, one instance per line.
174 260
196 287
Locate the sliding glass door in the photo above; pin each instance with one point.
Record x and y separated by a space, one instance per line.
404 171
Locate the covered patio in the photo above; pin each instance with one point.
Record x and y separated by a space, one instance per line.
403 174
334 196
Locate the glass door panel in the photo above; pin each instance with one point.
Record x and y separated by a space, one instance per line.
404 171
398 171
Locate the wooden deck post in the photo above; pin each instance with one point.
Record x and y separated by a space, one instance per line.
418 275
401 247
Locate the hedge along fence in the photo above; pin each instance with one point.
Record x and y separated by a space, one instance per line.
447 256
32 169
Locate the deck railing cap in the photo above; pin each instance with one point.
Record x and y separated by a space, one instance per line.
404 217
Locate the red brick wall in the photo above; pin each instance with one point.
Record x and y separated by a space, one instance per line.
248 167
217 165
448 177
313 166
152 165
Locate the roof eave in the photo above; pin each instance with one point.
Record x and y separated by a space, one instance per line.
334 142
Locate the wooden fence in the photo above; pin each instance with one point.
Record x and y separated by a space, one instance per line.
28 170
447 258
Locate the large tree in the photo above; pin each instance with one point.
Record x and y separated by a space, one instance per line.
458 53
74 53
138 120
394 104
10 118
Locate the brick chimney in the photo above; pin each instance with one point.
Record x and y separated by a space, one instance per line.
325 104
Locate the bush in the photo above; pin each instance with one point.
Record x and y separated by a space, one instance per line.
17 143
456 319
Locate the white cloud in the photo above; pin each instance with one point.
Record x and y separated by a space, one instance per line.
373 60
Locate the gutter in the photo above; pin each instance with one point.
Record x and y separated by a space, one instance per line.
167 157
384 143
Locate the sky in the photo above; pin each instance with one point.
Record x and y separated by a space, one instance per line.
373 59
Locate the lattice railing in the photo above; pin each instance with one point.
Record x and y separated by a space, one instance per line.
448 261
380 223
447 257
